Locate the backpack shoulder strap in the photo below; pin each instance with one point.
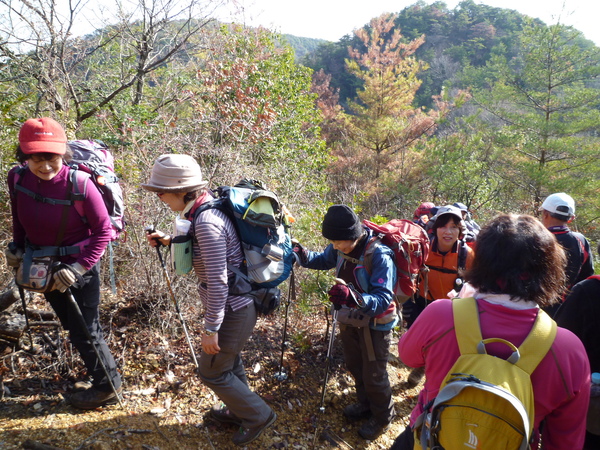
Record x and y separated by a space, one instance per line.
366 258
531 351
462 255
38 197
466 324
79 182
538 342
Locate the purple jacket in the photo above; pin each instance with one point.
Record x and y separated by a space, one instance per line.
39 222
561 382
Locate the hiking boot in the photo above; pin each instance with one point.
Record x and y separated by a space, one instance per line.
357 411
93 398
221 414
415 377
372 429
246 435
82 385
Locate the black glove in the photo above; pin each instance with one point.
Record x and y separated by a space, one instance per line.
300 252
341 294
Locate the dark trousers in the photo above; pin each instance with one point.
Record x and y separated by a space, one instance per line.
371 378
404 441
88 299
412 308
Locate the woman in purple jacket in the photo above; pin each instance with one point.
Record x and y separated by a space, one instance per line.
41 224
518 268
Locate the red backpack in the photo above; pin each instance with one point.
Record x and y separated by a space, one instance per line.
410 245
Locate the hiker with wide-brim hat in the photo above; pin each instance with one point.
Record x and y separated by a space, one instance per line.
229 319
46 221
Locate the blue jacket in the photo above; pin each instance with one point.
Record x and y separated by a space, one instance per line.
377 287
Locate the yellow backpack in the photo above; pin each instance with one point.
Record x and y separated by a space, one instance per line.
485 402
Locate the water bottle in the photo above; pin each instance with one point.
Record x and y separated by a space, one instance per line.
595 390
593 416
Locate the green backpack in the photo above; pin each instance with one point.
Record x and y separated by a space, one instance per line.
485 402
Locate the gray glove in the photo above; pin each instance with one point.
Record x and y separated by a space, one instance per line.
13 257
66 275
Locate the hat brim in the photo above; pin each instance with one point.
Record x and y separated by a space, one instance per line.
452 213
33 147
156 188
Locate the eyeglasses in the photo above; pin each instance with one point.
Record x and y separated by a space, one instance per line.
50 158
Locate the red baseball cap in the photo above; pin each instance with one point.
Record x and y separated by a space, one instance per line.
43 135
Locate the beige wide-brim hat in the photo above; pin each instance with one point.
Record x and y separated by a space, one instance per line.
175 173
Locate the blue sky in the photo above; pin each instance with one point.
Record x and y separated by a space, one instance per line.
332 19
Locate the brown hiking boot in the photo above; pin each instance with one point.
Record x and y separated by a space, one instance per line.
93 398
246 435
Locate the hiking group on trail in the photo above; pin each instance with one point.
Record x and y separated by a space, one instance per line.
477 307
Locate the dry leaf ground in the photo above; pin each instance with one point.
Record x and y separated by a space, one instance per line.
164 401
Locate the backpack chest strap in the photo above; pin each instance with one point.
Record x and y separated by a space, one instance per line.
40 198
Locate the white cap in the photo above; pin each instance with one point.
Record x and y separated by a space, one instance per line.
560 203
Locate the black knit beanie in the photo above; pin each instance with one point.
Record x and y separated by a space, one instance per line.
341 224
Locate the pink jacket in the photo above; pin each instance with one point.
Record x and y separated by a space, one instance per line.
561 382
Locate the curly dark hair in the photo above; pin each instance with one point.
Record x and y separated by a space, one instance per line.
518 256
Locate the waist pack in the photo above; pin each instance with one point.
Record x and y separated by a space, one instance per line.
266 300
484 401
37 267
36 274
353 317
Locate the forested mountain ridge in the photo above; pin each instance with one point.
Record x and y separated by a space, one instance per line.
468 35
302 46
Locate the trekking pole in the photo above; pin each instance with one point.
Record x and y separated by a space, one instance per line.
24 303
281 375
174 300
88 335
329 351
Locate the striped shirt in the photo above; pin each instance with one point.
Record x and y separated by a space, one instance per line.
216 246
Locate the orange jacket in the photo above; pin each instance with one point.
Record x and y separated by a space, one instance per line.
440 283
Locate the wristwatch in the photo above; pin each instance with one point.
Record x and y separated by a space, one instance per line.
209 332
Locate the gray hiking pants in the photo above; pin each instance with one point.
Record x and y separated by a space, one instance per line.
224 372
